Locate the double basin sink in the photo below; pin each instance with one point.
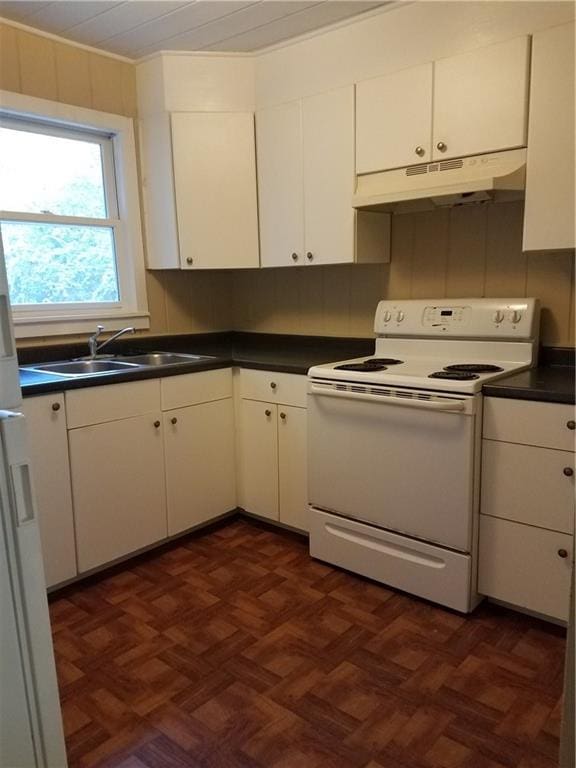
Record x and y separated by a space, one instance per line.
118 364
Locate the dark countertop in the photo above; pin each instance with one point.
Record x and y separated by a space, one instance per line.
550 384
552 381
270 352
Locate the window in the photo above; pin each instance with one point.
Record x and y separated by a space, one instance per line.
69 219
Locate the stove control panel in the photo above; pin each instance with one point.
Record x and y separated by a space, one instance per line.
459 318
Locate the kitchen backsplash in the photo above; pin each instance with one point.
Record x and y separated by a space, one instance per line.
467 251
470 251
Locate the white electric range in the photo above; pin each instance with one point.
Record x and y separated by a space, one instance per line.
394 442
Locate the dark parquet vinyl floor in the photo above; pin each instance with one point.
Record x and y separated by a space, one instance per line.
234 649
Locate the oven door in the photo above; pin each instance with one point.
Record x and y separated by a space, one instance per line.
402 459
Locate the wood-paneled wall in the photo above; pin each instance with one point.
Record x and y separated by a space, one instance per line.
468 251
179 302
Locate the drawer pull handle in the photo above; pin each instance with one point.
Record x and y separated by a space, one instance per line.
157 424
283 416
268 412
563 553
55 406
273 385
568 471
294 256
173 420
571 424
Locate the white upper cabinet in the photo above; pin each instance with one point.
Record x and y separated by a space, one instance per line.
200 190
469 104
549 214
306 182
328 129
215 185
394 119
280 184
481 100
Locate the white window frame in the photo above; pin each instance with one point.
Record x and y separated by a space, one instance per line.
123 215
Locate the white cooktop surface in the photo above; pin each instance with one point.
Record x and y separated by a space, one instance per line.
415 372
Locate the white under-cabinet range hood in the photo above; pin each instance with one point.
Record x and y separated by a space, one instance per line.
495 176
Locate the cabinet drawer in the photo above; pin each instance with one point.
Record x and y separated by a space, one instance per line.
528 422
520 565
528 484
194 388
96 405
287 388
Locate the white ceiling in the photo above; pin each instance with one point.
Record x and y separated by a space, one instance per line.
137 28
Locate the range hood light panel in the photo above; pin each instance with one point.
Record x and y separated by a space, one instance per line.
460 181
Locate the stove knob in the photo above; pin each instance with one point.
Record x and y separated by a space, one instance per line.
399 316
498 316
387 316
515 316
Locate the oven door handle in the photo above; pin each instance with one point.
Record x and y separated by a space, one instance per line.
425 405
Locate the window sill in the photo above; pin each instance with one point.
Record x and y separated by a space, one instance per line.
59 325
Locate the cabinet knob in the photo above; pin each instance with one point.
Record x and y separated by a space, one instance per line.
173 420
309 255
419 151
568 471
55 406
273 385
571 424
563 553
294 256
283 416
268 412
157 424
441 146
189 260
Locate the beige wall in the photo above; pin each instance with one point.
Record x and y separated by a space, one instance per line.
34 65
472 251
459 252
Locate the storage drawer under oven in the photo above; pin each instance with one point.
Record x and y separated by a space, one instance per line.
421 569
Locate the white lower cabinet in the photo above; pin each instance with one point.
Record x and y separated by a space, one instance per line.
292 467
525 566
48 446
272 447
149 459
200 463
526 548
118 486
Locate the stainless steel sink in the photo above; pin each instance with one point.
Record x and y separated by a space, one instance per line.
162 358
84 367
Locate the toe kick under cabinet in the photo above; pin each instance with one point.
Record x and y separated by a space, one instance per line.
527 505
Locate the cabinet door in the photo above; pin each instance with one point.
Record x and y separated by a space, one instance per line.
199 456
215 186
550 201
258 481
118 487
292 463
280 185
328 129
527 484
394 120
525 566
51 470
481 100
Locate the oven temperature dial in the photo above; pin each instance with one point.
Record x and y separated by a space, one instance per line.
498 316
399 316
387 316
515 316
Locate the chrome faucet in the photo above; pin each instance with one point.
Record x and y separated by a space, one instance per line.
93 345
